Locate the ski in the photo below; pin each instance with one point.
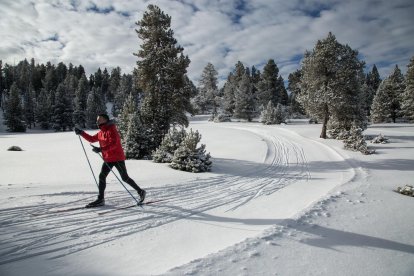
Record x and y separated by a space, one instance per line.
131 206
58 211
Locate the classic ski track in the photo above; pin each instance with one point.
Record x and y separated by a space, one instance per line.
25 236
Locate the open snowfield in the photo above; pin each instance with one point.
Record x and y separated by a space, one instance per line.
279 201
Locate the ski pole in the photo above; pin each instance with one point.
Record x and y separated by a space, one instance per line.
88 161
118 178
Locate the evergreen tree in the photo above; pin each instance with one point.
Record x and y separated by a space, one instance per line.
135 141
206 98
13 115
381 106
170 143
105 84
271 87
228 102
190 158
160 74
114 82
373 81
81 95
43 109
407 105
244 101
130 108
94 106
29 106
331 84
294 88
272 115
284 97
124 89
398 84
62 110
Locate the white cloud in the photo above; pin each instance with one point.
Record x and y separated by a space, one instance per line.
218 31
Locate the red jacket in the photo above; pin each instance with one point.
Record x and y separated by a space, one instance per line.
109 141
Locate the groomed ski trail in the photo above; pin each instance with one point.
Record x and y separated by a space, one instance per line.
62 234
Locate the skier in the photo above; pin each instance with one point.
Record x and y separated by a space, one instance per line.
113 155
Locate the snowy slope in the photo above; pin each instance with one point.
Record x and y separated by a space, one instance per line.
265 190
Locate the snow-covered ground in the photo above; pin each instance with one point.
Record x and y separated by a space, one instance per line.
279 201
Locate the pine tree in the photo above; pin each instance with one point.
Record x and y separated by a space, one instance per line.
1 84
94 106
373 81
13 115
114 82
244 101
228 101
128 110
135 141
29 106
207 90
170 143
124 89
407 105
43 109
398 83
81 95
294 88
271 87
381 104
62 110
160 74
190 158
331 84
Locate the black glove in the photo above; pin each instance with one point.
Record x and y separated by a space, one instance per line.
78 131
96 149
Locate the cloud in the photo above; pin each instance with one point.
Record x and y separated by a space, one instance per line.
101 33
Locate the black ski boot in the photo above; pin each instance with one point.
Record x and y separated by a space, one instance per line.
96 203
141 194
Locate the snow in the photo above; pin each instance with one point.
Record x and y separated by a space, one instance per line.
278 201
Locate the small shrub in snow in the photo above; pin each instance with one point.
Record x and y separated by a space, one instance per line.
169 145
220 118
356 142
271 115
380 139
190 158
14 148
406 190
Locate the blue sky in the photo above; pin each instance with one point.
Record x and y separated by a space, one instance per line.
101 33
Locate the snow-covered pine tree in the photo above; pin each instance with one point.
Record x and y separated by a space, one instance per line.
190 158
228 100
284 97
13 113
407 105
114 82
244 101
268 116
373 81
81 96
135 142
94 106
355 141
124 89
207 90
330 83
296 108
128 110
269 87
398 84
160 72
170 143
381 104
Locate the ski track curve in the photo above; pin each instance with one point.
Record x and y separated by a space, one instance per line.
37 229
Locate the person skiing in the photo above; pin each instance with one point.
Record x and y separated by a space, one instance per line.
113 156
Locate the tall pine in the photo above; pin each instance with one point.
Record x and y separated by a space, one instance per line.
407 104
13 115
161 70
331 83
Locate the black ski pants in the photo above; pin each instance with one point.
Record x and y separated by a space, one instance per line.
106 169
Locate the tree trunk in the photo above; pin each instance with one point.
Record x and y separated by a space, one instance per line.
325 122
